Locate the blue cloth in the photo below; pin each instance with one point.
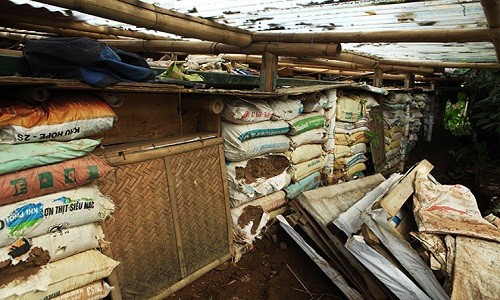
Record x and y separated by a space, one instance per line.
85 59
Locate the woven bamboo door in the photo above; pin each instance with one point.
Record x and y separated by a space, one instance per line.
171 219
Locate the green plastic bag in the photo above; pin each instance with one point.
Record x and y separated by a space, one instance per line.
24 156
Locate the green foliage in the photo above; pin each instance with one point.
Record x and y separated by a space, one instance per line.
373 137
455 117
484 86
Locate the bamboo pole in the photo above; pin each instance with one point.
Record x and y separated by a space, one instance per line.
341 65
392 36
23 21
20 36
139 16
355 74
491 10
172 13
286 49
213 106
440 64
56 30
347 65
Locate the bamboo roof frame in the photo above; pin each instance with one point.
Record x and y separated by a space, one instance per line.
356 62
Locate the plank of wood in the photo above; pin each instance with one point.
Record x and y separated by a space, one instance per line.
370 237
333 274
144 117
340 262
317 240
376 126
395 199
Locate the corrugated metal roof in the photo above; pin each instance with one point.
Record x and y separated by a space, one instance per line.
350 16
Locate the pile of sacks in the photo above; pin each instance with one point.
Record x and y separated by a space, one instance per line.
351 135
274 151
49 208
404 115
396 129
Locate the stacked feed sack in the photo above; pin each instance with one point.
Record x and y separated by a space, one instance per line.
49 208
396 112
351 137
308 135
428 117
419 110
254 142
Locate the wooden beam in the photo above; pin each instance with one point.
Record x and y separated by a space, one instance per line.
286 49
394 200
268 72
29 23
389 36
491 10
139 14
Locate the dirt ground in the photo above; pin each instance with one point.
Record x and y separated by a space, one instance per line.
264 273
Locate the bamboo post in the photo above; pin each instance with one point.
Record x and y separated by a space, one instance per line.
377 77
134 13
268 72
83 28
286 49
491 10
389 36
409 80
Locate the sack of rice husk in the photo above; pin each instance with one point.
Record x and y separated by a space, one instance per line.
315 136
60 119
358 148
341 151
248 223
306 122
316 103
235 134
51 247
304 153
256 147
54 279
50 179
24 156
269 202
286 109
241 111
50 213
306 168
305 184
256 177
349 109
359 167
92 291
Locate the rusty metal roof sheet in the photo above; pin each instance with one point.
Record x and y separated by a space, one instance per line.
338 15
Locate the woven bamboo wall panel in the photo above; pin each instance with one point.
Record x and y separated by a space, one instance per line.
141 230
201 205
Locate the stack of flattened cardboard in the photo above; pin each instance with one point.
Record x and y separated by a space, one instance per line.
385 246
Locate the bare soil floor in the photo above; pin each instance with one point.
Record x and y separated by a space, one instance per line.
264 273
